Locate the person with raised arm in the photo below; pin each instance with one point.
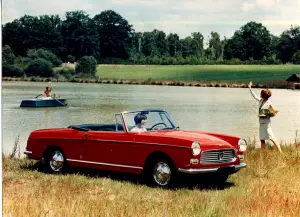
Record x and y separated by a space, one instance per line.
265 112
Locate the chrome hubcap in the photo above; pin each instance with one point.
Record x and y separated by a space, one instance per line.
162 173
56 161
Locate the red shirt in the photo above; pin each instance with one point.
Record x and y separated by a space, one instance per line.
47 92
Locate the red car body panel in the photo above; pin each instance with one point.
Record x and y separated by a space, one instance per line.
125 149
128 152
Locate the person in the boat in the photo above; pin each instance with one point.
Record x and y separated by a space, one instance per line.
48 90
140 120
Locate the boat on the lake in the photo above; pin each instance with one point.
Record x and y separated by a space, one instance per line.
44 102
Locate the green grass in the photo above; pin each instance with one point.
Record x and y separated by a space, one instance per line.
231 73
269 186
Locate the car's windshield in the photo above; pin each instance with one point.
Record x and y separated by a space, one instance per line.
155 120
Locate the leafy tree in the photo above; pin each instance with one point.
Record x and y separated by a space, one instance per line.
22 62
289 43
39 67
11 71
296 57
258 40
114 34
186 46
160 42
210 53
45 54
80 35
31 32
8 56
16 36
148 44
235 47
71 58
49 35
136 41
197 44
173 44
253 40
86 65
216 45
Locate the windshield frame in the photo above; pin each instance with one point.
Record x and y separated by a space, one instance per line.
151 110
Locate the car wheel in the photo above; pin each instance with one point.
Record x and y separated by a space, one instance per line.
161 173
55 161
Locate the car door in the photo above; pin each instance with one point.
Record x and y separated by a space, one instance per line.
107 150
105 147
72 146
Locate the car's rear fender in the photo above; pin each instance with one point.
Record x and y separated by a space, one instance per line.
35 147
50 148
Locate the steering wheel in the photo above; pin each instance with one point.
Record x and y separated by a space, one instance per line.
158 124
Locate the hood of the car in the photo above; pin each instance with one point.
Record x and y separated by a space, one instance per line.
187 137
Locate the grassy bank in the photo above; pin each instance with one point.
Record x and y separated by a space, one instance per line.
233 76
273 84
269 186
220 73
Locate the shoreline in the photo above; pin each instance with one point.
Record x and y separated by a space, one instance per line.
228 84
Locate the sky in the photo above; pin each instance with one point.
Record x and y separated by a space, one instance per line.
172 16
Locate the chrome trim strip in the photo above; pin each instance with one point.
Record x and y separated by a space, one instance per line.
27 152
149 143
143 110
220 149
213 169
106 164
217 161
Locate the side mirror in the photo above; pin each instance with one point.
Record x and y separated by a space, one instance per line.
177 128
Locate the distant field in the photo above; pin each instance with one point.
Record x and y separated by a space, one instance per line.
234 73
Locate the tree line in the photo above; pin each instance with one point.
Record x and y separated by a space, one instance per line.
109 38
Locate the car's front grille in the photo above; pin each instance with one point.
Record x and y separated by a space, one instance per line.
217 156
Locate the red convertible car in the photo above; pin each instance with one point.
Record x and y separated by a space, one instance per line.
153 146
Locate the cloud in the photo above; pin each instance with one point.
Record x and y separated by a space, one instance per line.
247 6
176 16
266 3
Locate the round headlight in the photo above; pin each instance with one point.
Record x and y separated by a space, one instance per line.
242 145
195 148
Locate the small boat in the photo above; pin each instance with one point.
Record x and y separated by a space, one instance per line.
44 102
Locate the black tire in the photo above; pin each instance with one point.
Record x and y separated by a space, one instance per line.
160 172
55 161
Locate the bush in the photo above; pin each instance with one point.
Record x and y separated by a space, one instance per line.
39 67
22 62
11 71
66 72
44 54
296 57
86 65
71 59
8 56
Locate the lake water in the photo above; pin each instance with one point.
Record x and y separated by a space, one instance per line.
222 110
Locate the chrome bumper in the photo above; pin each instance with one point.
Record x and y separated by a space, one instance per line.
28 152
212 169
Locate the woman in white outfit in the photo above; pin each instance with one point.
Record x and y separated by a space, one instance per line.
265 130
